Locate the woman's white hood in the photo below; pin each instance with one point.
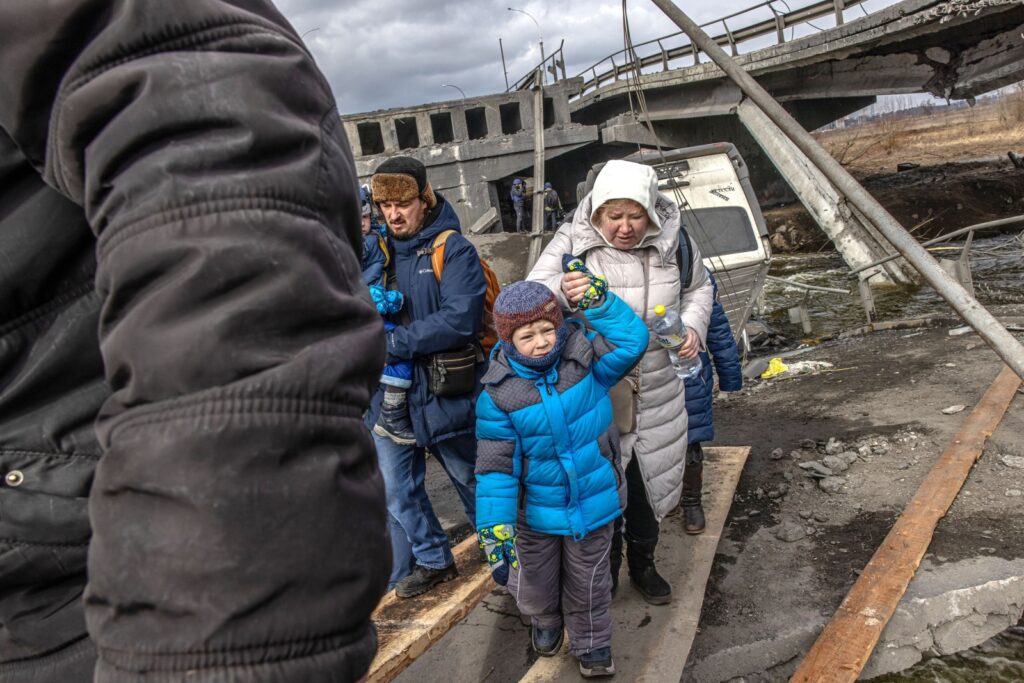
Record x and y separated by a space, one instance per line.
626 180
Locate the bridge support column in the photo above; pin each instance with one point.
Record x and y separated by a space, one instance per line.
857 242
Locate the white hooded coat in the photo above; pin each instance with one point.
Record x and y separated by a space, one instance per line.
643 276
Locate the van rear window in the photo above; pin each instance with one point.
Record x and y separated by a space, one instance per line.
720 231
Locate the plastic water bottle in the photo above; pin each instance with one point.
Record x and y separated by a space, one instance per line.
670 332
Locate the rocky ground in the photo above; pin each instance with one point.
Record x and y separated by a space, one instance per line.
835 458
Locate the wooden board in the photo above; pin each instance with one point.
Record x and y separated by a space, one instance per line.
843 648
406 628
651 643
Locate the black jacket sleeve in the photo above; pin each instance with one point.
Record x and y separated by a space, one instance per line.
237 510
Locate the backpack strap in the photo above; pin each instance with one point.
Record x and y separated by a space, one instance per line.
437 253
685 259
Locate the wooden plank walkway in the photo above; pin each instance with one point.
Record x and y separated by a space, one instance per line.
650 643
846 643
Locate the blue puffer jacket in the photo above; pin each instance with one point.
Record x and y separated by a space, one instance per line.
722 346
553 431
443 317
373 260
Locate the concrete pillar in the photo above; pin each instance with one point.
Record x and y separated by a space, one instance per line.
561 103
493 119
827 206
352 133
525 99
459 127
387 131
424 130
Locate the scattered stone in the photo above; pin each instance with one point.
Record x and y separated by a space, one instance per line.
835 463
805 514
759 492
787 475
902 466
776 454
754 513
849 456
810 530
1014 493
834 446
953 410
796 455
880 448
820 517
775 494
864 450
790 532
815 469
808 444
831 484
1014 461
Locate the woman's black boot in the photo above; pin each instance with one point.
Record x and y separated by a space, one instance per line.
643 575
693 513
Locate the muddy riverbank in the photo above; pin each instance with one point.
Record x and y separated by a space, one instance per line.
929 200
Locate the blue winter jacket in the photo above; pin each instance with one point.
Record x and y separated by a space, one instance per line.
552 432
373 260
443 317
722 346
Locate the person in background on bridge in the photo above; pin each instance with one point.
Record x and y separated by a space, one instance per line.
518 195
629 232
187 351
441 315
721 346
550 481
552 208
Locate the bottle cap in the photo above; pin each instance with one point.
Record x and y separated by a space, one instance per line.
659 310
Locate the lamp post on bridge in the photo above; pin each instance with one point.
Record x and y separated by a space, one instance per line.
449 85
543 59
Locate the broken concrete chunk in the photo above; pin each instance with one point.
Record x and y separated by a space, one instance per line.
790 532
835 463
831 484
834 446
1014 461
954 409
808 444
816 469
776 454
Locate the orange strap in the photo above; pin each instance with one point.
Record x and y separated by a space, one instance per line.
437 255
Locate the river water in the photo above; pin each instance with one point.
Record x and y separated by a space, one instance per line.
997 265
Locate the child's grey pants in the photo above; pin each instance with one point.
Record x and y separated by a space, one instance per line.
559 576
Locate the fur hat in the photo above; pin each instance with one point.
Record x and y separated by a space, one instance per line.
522 303
400 179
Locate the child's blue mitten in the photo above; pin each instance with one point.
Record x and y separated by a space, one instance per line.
499 543
598 284
387 301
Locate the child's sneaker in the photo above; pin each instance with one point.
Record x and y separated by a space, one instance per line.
546 641
597 663
394 423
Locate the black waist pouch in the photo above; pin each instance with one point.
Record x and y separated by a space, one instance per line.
453 373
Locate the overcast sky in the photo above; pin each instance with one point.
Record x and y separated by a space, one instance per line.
379 54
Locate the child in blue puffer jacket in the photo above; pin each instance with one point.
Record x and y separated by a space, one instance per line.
701 427
549 473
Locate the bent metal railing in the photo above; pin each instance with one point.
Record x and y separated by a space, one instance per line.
657 52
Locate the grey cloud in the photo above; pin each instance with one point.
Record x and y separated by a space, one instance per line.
378 54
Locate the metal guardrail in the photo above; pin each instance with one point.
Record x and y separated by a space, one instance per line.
554 63
733 37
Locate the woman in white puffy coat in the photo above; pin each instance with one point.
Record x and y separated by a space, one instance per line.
629 232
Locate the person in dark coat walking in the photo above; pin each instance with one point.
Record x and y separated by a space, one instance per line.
442 315
552 208
518 195
721 346
186 349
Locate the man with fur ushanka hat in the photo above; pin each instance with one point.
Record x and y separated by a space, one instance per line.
439 315
550 479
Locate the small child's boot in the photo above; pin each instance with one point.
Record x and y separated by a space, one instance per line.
597 663
394 421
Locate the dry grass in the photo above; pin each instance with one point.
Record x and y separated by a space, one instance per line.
944 134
